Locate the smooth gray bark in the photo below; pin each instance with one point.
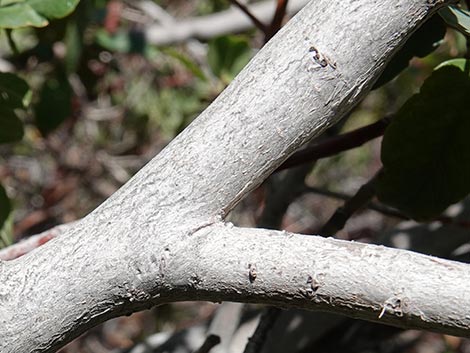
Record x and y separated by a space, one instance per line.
162 237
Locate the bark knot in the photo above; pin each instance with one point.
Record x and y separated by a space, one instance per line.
313 285
321 59
394 306
252 272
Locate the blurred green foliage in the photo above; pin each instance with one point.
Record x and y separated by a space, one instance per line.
36 13
228 55
14 94
206 7
54 103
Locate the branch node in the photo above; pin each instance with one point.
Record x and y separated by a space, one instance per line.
393 306
252 272
314 283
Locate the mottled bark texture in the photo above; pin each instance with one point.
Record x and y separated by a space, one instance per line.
162 237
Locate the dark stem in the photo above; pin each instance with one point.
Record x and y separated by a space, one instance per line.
210 342
362 197
386 210
337 144
276 22
266 322
381 208
261 26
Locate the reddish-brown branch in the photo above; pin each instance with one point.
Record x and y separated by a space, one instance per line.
337 144
23 247
276 22
260 25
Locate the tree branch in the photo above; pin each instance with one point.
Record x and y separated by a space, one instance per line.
370 282
23 247
160 238
210 26
261 26
276 22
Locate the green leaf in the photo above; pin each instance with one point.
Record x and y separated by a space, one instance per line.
426 148
13 91
186 62
227 55
462 64
14 94
53 9
118 42
123 41
5 206
11 127
35 13
421 43
456 18
54 105
20 15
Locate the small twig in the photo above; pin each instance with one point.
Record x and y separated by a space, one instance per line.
337 144
261 26
210 342
276 22
383 209
18 249
362 197
266 322
386 210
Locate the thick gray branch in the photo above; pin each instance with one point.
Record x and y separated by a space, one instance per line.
370 282
136 249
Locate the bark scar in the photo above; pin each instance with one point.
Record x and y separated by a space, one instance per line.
313 285
393 305
320 58
217 219
252 272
